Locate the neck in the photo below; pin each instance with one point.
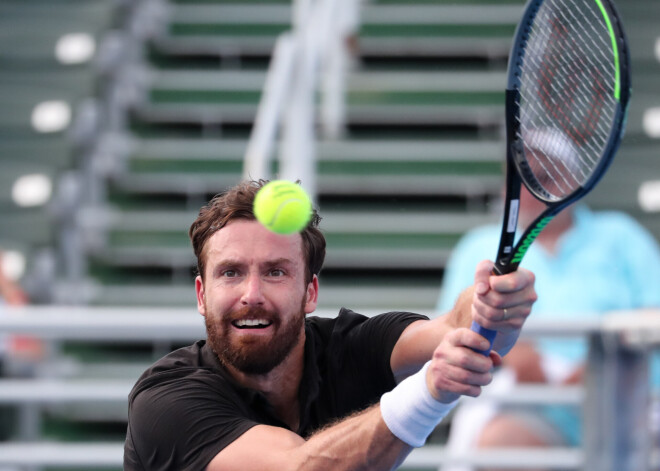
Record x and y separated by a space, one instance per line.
280 385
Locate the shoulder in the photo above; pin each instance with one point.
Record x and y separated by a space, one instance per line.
353 355
613 219
171 379
617 225
176 404
363 338
178 363
348 321
188 375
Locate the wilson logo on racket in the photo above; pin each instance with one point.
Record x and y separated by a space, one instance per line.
533 234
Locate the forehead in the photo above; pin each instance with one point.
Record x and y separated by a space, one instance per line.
249 241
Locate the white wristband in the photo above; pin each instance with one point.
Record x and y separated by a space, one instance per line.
409 410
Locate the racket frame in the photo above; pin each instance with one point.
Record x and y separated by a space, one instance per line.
510 253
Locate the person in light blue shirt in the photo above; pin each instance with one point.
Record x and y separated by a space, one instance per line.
606 261
586 265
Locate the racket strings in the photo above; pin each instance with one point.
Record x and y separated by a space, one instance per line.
567 102
566 67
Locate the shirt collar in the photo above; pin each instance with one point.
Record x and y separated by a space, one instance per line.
310 383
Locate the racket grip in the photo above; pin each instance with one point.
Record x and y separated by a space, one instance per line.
487 333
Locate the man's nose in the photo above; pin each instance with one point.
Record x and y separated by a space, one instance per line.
253 292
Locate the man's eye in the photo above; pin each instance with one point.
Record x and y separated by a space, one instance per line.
230 273
277 272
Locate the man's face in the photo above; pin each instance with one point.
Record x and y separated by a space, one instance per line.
254 296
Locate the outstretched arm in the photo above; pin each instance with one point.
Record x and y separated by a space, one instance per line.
484 302
361 441
380 437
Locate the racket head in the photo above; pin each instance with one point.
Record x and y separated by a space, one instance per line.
567 97
569 74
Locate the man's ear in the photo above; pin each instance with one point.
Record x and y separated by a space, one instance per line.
201 298
312 295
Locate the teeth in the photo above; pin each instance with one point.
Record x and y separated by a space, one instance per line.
251 323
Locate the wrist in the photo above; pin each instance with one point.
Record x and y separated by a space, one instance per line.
411 412
461 313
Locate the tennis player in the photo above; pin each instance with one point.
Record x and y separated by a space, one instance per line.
271 388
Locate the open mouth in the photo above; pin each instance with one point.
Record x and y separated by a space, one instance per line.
251 323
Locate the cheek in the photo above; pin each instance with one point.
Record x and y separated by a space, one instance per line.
292 296
216 301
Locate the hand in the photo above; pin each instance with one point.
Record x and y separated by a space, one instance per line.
457 369
502 303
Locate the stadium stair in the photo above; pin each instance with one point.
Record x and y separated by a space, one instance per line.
30 75
420 162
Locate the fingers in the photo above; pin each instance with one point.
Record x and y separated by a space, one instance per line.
482 276
496 358
457 369
507 302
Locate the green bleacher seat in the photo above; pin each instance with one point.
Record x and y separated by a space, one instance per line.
420 162
425 132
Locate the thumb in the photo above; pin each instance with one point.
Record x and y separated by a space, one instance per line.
496 358
482 276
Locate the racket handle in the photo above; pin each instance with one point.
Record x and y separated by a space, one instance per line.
498 270
487 333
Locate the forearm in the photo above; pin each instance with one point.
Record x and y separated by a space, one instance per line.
420 339
461 314
416 346
381 437
360 442
378 438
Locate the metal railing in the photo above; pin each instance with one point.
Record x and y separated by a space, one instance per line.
311 57
615 397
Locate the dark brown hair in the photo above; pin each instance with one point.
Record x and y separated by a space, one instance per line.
236 203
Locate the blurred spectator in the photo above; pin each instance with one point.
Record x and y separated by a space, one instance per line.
10 291
586 264
19 349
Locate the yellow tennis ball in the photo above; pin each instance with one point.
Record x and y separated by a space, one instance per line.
283 207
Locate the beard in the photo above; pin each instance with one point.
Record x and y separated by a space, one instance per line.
257 355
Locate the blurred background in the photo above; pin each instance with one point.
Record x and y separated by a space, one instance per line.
121 118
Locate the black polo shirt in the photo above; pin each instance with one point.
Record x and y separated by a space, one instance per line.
185 409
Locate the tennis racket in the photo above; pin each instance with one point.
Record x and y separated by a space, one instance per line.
567 95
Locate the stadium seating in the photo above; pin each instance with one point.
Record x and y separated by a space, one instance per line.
420 161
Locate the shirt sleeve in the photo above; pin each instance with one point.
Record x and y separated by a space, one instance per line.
364 358
182 423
